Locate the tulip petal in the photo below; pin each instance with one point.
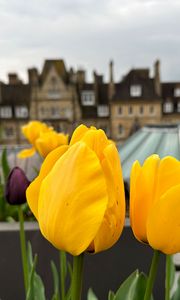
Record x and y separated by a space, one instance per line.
26 153
168 175
78 134
96 140
114 217
33 129
142 191
32 192
50 140
71 207
163 226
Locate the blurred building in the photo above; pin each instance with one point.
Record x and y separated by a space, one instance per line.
63 98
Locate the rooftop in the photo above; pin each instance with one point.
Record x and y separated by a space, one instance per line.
159 139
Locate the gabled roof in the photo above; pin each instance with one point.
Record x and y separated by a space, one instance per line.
59 66
136 77
15 94
135 74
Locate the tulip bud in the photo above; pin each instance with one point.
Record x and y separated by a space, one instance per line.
78 196
16 185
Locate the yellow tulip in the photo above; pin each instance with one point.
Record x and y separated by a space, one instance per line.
50 140
32 131
78 197
42 138
155 203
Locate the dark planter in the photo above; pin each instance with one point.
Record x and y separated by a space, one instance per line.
102 271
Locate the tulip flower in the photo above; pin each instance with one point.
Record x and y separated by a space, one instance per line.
32 132
15 189
78 197
42 138
155 203
50 140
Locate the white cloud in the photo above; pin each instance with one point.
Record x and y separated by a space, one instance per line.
88 33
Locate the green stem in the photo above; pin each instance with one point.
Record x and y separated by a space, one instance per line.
62 260
168 277
23 248
152 275
77 277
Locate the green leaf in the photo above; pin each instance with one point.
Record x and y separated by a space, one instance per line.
70 270
30 256
91 295
30 292
68 294
172 271
5 164
133 288
111 295
56 281
36 289
176 295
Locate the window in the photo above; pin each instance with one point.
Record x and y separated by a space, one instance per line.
88 98
68 112
44 112
177 92
141 110
6 112
55 112
120 110
8 132
130 110
120 129
103 111
151 110
135 90
21 112
168 107
54 94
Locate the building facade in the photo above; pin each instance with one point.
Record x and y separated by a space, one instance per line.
64 99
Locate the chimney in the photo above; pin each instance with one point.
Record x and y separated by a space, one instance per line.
13 78
111 80
95 76
72 75
80 76
33 76
157 80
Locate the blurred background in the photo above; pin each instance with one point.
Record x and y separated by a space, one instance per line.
113 64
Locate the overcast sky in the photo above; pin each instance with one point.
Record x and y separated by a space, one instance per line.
88 33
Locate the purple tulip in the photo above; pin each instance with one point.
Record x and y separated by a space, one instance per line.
15 189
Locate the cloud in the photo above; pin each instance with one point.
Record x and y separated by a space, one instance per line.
88 33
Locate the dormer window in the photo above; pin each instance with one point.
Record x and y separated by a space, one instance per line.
177 92
6 112
87 98
103 111
54 94
135 90
168 107
21 112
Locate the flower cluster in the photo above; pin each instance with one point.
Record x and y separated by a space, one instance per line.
78 199
43 139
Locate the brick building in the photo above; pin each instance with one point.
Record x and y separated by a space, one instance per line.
64 99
